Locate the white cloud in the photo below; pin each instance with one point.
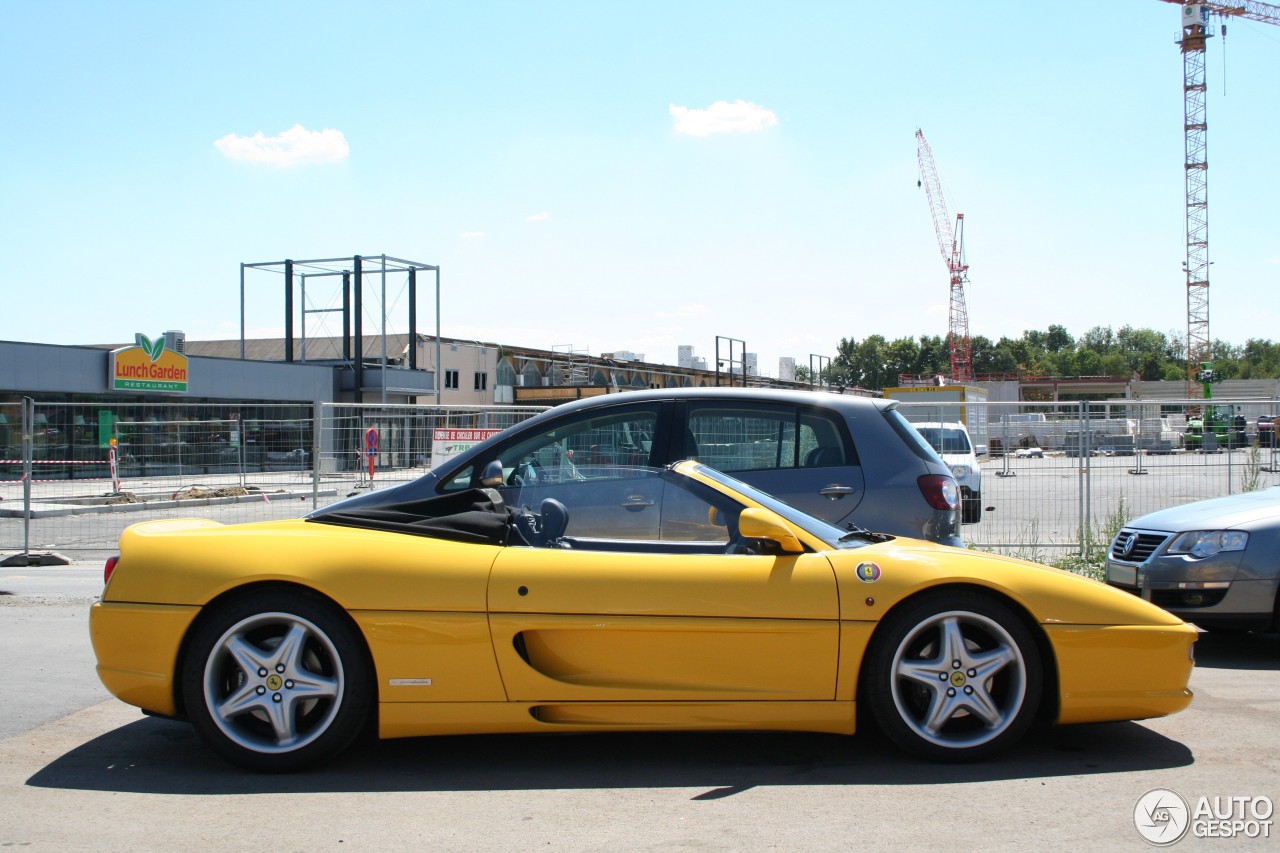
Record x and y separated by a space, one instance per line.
296 146
471 235
538 217
722 117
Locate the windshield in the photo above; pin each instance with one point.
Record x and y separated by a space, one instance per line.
832 536
945 439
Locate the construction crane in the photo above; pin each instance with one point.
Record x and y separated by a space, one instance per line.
1195 31
951 244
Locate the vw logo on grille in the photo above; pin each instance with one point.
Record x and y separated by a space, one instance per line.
1124 545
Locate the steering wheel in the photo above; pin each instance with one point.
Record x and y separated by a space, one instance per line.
526 473
738 545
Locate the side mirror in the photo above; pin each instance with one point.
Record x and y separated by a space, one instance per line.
492 476
757 523
980 450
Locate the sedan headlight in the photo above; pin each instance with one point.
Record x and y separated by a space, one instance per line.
960 471
1206 543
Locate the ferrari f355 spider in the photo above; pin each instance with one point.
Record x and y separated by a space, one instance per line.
283 641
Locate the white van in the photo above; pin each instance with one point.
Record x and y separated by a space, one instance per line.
951 440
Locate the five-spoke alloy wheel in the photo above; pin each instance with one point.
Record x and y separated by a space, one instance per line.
955 677
277 681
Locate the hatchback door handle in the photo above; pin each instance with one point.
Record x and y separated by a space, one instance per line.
835 492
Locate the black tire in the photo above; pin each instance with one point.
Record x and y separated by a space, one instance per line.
955 676
971 508
277 681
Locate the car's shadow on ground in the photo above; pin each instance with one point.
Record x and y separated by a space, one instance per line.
159 756
1238 650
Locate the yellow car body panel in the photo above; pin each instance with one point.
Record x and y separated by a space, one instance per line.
358 569
666 627
431 657
1099 617
1121 672
467 718
137 650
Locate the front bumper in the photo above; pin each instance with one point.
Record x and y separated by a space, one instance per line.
1149 679
1205 592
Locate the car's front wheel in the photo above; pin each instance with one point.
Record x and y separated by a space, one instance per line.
955 677
277 681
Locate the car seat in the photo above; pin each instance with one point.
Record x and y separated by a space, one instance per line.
823 457
554 522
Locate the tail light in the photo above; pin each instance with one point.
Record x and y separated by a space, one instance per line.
110 568
940 491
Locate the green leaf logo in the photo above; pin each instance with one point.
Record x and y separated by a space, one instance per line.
154 350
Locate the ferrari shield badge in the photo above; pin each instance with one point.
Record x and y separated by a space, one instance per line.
868 572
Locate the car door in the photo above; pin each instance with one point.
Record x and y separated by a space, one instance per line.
800 455
668 621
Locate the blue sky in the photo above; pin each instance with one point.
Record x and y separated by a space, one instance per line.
568 168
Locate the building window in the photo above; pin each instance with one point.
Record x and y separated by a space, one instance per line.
482 381
451 379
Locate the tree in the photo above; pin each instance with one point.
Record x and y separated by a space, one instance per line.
1057 340
1151 355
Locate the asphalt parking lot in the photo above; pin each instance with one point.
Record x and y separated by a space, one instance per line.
82 771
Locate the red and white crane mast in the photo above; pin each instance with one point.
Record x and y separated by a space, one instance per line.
1195 31
951 244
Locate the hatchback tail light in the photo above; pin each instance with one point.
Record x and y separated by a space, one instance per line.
940 491
110 568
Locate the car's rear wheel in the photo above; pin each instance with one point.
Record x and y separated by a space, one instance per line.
955 677
277 681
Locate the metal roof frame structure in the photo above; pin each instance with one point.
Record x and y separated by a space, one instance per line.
353 271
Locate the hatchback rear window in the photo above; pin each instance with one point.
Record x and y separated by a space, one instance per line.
911 437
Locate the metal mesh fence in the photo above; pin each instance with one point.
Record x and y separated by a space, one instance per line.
71 489
1056 479
1061 478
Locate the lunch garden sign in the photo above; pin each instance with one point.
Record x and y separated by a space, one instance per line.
148 366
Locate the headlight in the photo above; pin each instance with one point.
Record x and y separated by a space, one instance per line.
1206 543
960 471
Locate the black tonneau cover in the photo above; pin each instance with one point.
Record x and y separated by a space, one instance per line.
476 515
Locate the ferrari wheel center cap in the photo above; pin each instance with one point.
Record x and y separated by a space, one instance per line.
274 682
957 679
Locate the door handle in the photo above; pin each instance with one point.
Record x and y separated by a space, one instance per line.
835 492
635 503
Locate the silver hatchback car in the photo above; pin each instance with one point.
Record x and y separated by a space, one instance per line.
846 460
1214 563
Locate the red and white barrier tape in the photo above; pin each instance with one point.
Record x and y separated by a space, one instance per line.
54 461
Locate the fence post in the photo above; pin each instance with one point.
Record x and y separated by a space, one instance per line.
1086 454
1231 456
316 423
237 441
28 452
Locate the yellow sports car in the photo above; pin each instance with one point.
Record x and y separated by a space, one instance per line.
282 641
